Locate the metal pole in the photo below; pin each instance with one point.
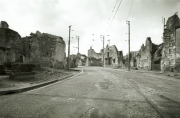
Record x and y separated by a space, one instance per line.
68 63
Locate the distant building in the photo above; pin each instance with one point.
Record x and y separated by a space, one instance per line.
93 54
74 60
112 56
171 50
120 59
93 59
133 60
82 60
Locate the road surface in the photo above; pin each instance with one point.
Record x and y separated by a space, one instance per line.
97 93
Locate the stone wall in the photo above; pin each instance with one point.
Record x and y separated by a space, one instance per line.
91 61
120 58
171 45
3 24
74 60
177 59
45 49
82 60
111 55
144 57
92 53
10 46
133 60
157 56
148 57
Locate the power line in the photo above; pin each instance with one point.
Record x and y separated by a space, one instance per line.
114 15
115 5
110 16
130 9
112 12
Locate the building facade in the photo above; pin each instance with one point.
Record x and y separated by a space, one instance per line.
10 46
45 49
82 60
93 59
93 54
112 56
171 51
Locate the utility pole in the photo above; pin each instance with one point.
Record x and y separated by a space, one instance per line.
78 43
128 22
163 21
68 62
108 40
103 51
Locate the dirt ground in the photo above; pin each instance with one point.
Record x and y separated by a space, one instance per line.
41 75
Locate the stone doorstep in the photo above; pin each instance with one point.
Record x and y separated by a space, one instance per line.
22 75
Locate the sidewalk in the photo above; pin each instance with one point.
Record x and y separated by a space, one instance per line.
43 77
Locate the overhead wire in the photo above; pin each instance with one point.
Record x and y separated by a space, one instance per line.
110 17
130 9
112 11
114 16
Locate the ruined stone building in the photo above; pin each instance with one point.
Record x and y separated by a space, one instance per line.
120 59
10 46
149 56
170 53
157 56
112 56
125 61
74 60
133 61
93 59
82 60
44 49
144 57
93 54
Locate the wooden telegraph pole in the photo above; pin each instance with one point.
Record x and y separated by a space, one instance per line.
78 42
103 51
68 62
128 22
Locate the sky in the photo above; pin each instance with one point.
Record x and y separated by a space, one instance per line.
89 19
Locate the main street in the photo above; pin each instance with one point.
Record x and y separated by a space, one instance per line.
98 93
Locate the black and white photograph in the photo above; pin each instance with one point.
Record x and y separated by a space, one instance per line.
89 58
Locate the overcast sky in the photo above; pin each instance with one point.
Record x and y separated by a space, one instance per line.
89 17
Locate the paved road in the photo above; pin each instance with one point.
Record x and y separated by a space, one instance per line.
97 93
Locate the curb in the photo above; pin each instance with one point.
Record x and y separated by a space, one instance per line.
19 90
